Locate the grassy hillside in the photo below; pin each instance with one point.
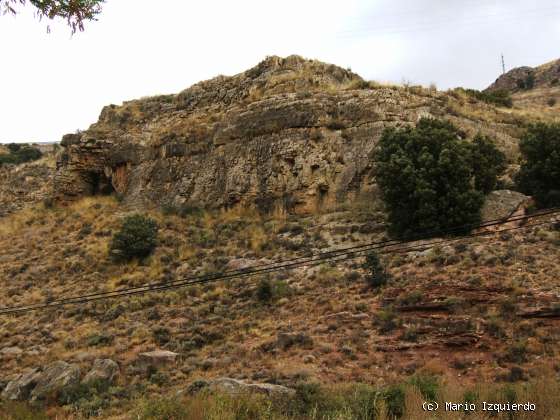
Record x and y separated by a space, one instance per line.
459 313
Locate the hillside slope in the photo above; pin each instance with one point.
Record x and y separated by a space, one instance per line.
534 89
269 165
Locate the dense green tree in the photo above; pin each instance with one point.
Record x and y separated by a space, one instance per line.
137 238
488 163
428 179
75 12
539 175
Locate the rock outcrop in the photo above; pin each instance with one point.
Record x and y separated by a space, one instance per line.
20 388
38 384
102 370
24 184
502 204
289 132
157 358
526 78
234 387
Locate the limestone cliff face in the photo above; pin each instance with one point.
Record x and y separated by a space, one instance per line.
289 131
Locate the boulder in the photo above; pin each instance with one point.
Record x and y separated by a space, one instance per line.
157 358
502 204
54 378
20 388
234 387
102 370
240 264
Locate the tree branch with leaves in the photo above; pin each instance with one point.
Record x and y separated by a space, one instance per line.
75 12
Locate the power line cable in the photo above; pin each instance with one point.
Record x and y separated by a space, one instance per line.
240 274
326 254
341 257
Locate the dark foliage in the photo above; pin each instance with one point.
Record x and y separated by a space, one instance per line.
75 12
429 180
499 97
376 275
137 238
539 175
20 153
527 83
487 162
395 401
264 291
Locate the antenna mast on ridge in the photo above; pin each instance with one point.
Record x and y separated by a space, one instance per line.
503 65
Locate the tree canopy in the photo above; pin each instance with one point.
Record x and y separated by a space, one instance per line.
433 179
539 175
75 12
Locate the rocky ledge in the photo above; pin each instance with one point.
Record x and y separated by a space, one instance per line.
290 132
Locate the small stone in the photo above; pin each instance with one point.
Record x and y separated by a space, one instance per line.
308 358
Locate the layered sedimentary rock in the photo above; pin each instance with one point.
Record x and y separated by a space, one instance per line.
290 132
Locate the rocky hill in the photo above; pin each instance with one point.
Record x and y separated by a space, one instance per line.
525 78
288 132
268 165
535 89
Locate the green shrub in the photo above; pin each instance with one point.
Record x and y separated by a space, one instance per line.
429 179
395 401
526 83
161 335
427 385
539 175
499 97
264 290
376 275
163 409
515 353
137 238
20 153
386 321
96 340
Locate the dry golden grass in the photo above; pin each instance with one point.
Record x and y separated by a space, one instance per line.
238 322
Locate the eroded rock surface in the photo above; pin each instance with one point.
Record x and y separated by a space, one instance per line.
289 132
235 386
102 370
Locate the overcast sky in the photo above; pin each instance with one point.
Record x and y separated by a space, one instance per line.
56 83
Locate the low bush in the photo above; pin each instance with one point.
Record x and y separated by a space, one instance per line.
137 238
376 275
20 153
498 97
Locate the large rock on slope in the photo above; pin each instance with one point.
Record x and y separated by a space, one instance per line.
102 370
234 387
290 132
55 378
38 384
20 388
502 204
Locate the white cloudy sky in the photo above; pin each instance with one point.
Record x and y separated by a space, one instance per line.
55 83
